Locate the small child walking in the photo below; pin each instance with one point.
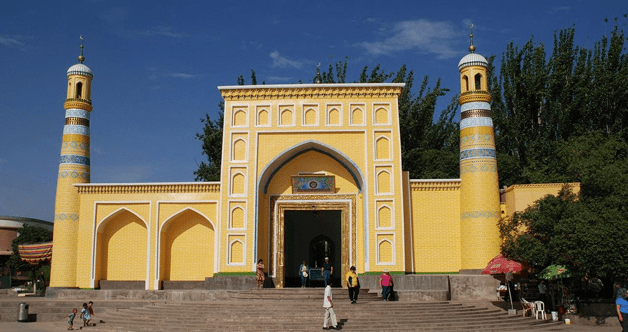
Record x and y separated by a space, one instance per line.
85 314
71 319
90 306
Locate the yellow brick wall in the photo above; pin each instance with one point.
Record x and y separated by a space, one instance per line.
518 197
435 225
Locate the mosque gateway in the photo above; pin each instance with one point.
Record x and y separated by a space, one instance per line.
308 171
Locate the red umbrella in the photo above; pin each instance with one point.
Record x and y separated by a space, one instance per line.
499 265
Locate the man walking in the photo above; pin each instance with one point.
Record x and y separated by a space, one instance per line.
353 285
327 270
330 315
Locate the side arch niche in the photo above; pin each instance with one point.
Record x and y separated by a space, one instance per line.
384 215
286 118
239 118
383 182
186 247
385 252
310 117
383 148
237 184
334 117
381 116
263 118
239 150
121 248
236 252
357 116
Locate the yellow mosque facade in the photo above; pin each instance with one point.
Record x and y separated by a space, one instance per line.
308 171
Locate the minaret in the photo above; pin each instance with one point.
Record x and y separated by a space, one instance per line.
479 184
73 168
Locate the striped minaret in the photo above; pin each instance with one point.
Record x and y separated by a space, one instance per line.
73 168
479 184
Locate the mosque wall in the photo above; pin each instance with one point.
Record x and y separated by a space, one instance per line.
147 232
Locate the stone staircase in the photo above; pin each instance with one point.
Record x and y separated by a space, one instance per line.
301 310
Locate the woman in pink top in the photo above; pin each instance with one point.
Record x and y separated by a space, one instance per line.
386 283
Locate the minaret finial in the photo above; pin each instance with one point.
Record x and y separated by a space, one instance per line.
318 73
81 58
471 47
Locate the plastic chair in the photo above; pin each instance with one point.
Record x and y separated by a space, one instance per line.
539 308
527 307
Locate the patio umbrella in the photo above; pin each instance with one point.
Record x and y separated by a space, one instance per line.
501 265
554 272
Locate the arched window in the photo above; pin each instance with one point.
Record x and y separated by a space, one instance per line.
478 81
465 81
79 90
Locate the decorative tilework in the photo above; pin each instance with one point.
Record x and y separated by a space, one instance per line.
473 169
82 175
77 113
63 216
477 153
74 159
480 214
476 122
74 129
476 137
476 105
75 145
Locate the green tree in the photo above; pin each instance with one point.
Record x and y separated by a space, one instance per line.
586 231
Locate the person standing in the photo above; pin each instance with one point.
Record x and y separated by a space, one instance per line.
353 285
386 283
622 309
303 273
85 315
327 270
260 274
330 315
71 319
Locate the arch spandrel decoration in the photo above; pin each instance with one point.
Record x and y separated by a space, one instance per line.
346 204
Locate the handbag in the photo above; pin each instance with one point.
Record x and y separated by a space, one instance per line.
305 274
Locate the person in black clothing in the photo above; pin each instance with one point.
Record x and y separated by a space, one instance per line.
327 270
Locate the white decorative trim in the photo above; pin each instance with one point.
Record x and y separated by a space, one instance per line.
476 105
77 113
476 122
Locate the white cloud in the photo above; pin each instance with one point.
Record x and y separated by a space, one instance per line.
11 41
183 75
280 79
161 30
423 36
283 62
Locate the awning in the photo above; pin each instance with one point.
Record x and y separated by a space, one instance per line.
34 253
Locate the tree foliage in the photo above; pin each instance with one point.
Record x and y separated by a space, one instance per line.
584 232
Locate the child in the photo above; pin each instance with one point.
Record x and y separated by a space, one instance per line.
85 315
71 319
91 311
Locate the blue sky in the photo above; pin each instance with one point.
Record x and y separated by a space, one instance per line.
157 64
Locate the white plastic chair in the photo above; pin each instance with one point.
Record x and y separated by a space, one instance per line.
527 307
539 308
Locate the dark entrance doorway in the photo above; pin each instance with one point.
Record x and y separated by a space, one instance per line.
310 236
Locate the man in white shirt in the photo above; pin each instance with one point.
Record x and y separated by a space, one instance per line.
329 311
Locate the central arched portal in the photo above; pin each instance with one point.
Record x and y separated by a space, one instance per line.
297 221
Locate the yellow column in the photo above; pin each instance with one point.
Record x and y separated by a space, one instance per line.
479 184
74 167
